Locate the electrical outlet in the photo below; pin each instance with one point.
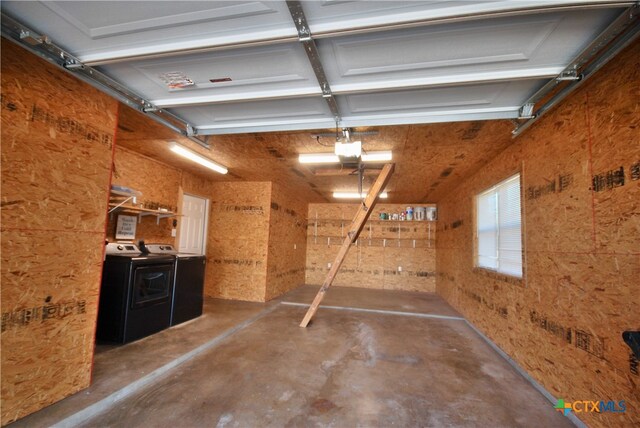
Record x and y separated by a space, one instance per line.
173 233
399 268
329 265
295 247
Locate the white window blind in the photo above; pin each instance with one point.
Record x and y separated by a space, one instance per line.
499 236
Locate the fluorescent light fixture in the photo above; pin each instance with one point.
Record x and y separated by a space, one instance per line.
319 158
377 156
349 150
355 195
333 158
198 159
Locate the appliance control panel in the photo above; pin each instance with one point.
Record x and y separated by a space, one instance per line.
124 248
160 249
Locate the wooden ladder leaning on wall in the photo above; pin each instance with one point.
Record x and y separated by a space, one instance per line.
355 228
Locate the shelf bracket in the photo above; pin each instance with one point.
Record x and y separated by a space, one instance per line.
158 216
130 198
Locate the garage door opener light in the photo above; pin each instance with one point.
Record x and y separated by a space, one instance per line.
368 157
356 195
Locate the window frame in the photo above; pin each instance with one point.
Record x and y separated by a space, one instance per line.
488 270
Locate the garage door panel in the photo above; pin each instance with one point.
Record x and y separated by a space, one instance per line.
219 75
530 42
96 31
464 98
332 15
257 112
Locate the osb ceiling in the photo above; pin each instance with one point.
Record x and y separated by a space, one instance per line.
430 159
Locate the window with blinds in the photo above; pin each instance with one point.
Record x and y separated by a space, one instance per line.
498 230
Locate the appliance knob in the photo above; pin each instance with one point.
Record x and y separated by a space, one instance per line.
161 248
120 247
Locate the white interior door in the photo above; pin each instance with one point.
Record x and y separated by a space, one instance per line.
193 230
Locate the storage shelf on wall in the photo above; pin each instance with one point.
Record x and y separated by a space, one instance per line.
393 223
416 222
376 233
125 202
374 242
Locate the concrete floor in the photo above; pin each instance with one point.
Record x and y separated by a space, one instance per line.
370 358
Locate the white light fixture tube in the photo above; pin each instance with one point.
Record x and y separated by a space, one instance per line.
333 158
319 158
377 156
355 195
198 159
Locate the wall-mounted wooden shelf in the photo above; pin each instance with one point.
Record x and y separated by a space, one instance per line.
326 240
376 233
122 202
394 223
403 221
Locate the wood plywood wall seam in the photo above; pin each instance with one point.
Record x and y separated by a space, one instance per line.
269 253
590 146
287 242
106 227
524 234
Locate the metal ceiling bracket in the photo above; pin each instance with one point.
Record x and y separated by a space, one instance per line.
621 33
32 38
201 140
150 108
43 47
569 75
526 111
73 65
305 37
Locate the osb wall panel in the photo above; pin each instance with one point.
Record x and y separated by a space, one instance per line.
395 255
48 316
57 149
237 243
581 194
158 182
195 185
287 242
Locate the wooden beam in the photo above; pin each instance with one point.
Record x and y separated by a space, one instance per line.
333 171
355 228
